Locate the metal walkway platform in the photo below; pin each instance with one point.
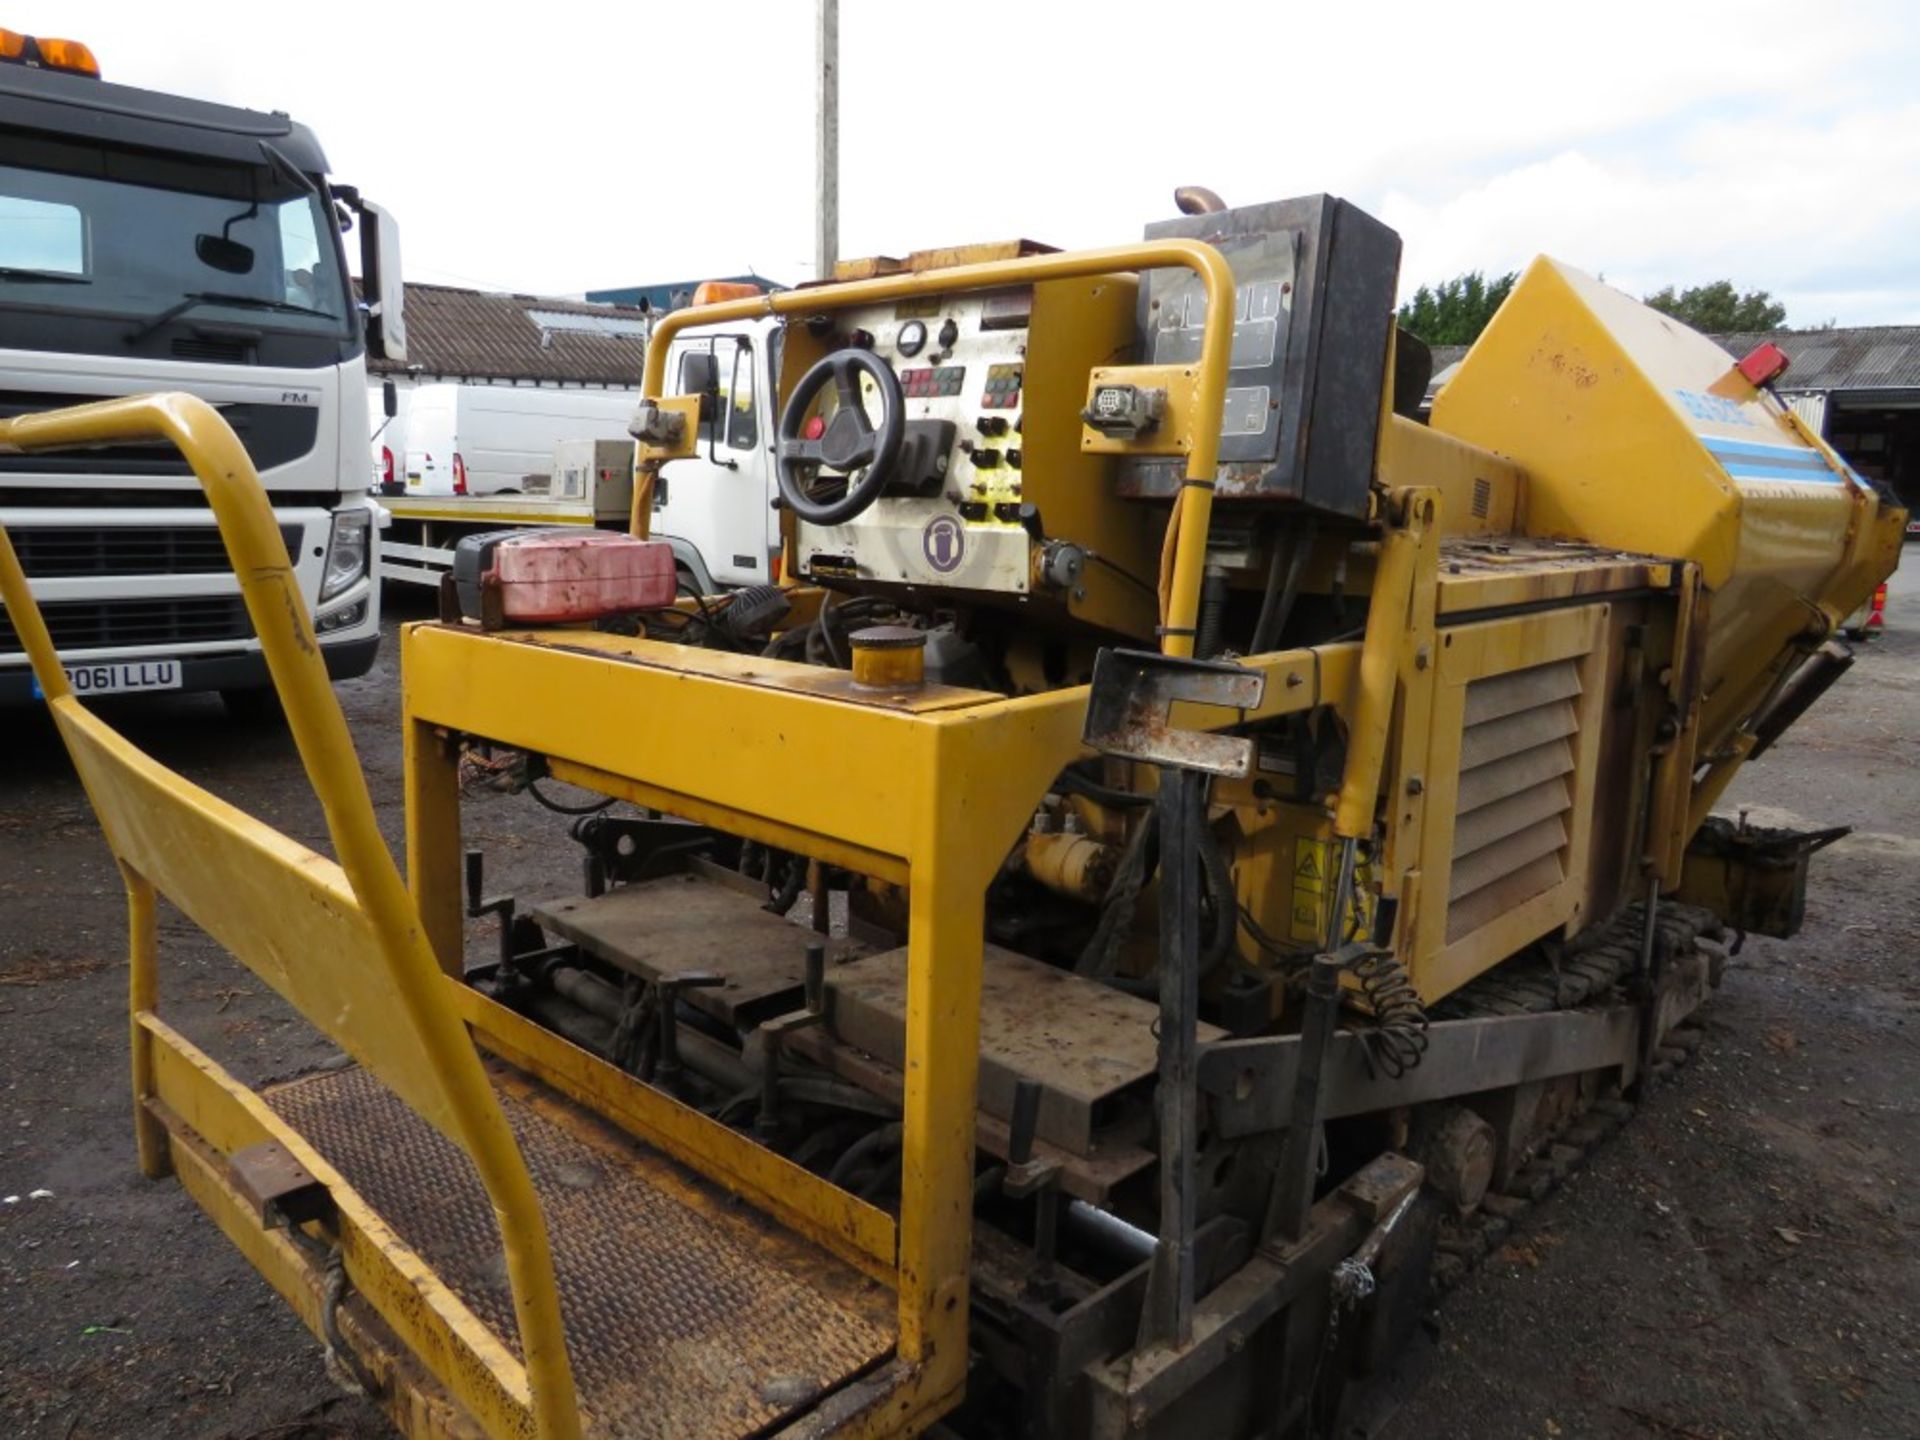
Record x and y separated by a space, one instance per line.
688 1313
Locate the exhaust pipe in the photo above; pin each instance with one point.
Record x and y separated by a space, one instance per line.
1198 200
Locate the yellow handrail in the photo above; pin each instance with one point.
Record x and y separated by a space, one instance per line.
259 557
1186 536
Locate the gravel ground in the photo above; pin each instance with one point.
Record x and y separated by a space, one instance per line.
1740 1262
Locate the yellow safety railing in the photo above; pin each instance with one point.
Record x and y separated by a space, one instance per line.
295 919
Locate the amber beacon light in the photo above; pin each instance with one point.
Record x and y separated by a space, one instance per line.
43 54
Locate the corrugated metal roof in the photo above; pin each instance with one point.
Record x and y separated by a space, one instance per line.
1870 357
621 325
476 334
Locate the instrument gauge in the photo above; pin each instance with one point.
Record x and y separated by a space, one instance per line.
912 338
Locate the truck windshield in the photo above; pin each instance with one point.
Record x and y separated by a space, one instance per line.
153 239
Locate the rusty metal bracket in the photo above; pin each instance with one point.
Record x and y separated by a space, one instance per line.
1130 710
1753 877
278 1188
1125 1395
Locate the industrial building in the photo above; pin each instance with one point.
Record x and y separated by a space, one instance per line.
483 337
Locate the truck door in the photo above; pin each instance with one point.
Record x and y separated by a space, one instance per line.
718 500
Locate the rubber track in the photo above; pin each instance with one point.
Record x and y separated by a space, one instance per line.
1561 977
1466 1241
1584 970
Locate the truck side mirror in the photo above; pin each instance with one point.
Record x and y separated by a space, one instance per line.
389 398
381 284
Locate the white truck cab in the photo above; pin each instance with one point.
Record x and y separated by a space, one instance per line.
718 508
154 243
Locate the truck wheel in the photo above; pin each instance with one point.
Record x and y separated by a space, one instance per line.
258 705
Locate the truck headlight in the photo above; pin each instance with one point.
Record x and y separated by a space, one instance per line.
346 551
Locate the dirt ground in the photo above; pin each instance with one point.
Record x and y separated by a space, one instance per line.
1741 1261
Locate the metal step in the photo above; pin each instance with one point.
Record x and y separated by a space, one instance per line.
686 1312
1084 1043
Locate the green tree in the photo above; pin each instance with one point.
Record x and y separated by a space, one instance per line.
1718 309
1455 311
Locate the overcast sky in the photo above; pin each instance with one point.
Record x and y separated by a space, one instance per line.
563 147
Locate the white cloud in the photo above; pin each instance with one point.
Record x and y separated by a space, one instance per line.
1822 213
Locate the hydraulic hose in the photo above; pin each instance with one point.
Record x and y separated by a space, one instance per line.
1073 782
1277 604
1137 864
874 1142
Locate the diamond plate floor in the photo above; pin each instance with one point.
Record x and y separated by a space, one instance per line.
688 1313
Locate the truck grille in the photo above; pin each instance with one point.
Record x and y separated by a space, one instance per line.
273 434
1516 772
112 624
65 552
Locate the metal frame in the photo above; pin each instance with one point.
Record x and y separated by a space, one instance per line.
927 793
342 942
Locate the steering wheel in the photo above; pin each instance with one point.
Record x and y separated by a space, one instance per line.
850 441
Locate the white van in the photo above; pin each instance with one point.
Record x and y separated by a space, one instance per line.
389 440
487 439
714 507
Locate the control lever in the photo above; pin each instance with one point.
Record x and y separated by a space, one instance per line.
1028 1176
667 1068
816 978
773 1036
480 905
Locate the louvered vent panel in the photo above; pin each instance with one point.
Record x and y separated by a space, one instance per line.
1511 824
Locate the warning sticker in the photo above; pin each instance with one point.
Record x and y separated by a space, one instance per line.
1307 914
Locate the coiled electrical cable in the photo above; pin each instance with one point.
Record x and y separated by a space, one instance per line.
1398 1037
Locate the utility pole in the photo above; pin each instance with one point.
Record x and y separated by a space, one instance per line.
826 167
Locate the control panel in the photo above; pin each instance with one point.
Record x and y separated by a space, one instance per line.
991 494
961 365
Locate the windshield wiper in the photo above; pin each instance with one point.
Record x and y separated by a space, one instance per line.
213 297
17 272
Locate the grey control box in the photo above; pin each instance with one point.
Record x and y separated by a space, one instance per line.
1314 282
